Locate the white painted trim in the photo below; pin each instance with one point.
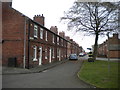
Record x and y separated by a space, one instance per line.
41 31
50 56
35 59
53 39
40 56
36 29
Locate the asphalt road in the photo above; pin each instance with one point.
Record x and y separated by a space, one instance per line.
61 76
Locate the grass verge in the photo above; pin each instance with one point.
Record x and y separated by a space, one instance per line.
98 74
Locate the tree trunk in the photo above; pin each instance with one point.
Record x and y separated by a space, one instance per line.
95 47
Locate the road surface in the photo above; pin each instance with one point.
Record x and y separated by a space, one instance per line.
61 76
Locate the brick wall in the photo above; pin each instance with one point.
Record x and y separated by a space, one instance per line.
13 34
114 54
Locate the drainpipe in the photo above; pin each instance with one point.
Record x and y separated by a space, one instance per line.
28 44
24 59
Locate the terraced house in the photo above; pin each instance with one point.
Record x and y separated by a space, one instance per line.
111 46
28 43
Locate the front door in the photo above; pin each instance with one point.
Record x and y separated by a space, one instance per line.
40 56
50 56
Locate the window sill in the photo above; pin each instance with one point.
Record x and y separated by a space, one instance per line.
34 59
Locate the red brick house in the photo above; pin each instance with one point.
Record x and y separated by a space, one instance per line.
114 47
28 43
73 47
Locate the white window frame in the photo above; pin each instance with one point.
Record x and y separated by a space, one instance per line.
35 53
53 38
58 40
35 31
46 36
41 33
62 42
46 54
53 53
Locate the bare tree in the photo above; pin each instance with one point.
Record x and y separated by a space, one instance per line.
95 18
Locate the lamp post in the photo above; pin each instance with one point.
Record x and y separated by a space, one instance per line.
108 45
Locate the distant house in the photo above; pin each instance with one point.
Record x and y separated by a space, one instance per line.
114 47
28 43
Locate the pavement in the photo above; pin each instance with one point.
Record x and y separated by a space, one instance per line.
102 59
14 70
106 59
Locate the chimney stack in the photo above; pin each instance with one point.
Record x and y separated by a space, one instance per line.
68 38
71 40
54 29
40 19
115 36
6 3
62 34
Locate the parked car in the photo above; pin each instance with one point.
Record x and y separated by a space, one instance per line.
73 57
81 54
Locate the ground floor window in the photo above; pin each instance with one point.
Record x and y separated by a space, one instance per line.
53 54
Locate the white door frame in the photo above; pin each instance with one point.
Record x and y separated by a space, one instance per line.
40 56
59 55
50 56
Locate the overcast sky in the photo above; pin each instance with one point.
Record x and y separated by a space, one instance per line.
52 11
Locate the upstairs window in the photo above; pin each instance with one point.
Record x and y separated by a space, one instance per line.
41 33
58 40
53 54
46 36
53 39
62 42
35 31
